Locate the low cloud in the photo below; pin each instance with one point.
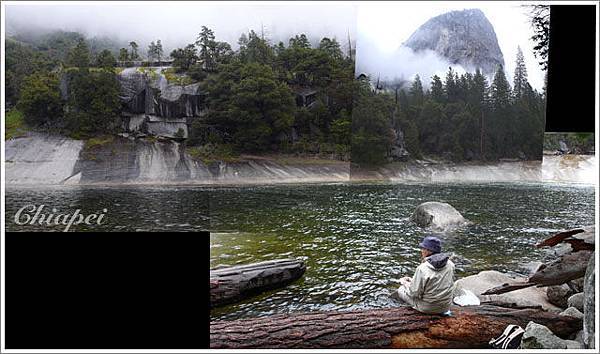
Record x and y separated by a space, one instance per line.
401 65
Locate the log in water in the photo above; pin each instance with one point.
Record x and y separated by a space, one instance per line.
232 284
399 327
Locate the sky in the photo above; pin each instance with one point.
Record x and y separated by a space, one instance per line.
382 27
178 23
379 27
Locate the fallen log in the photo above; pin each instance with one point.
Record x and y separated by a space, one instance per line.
229 284
558 238
569 267
579 239
400 327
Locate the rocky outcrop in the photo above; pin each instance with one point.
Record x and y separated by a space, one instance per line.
41 159
462 37
538 336
525 297
156 107
589 309
150 93
438 216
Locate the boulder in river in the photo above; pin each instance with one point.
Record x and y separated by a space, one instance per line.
438 216
532 296
589 311
537 336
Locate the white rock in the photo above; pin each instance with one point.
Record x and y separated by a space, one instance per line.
488 279
438 216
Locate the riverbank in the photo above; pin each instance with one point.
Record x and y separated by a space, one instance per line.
42 159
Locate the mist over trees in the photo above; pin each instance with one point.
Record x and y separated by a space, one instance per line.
461 118
293 97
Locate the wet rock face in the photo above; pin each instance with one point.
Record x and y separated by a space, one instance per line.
462 37
133 85
438 216
151 94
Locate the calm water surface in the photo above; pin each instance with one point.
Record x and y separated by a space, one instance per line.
356 239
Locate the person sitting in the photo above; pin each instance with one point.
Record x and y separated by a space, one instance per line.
431 288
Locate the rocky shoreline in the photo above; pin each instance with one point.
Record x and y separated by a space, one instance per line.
574 298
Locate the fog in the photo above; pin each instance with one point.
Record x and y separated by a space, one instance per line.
178 23
401 65
383 27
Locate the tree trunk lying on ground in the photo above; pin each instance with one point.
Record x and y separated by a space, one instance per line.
569 267
231 284
401 327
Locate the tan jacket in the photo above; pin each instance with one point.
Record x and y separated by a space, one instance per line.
432 286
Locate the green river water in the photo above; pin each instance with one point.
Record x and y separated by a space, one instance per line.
356 239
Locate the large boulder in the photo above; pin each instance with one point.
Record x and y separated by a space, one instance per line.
537 336
488 279
576 301
558 295
589 315
438 216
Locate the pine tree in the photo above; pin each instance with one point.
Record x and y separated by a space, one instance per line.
450 86
151 51
80 55
502 122
159 50
520 79
106 60
123 54
416 91
437 89
134 50
207 44
478 90
500 90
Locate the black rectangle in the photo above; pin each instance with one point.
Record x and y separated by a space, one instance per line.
107 290
571 69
